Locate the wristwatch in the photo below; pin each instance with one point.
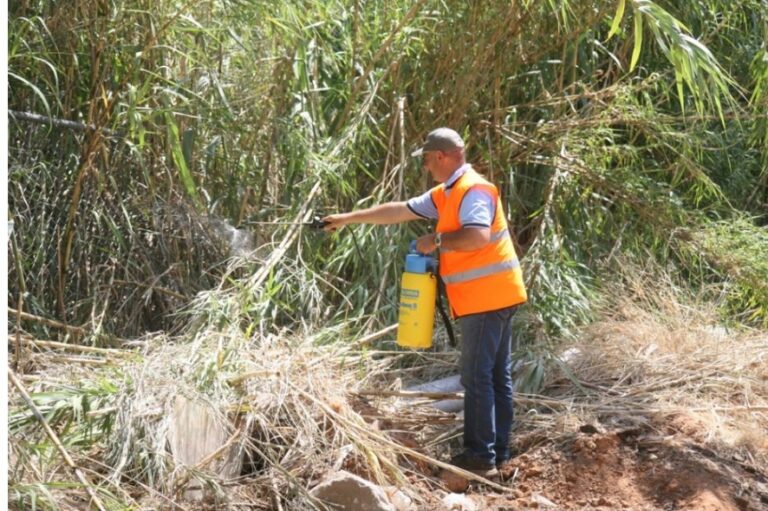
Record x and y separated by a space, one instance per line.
438 239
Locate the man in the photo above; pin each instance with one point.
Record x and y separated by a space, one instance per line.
483 281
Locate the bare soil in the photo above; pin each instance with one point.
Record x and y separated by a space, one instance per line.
665 468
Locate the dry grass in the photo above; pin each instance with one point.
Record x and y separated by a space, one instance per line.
661 359
291 408
287 402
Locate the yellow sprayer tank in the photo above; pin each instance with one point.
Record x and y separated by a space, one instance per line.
418 291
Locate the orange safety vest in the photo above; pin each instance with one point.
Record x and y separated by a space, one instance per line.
481 280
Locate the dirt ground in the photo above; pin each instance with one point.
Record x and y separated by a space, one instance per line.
665 468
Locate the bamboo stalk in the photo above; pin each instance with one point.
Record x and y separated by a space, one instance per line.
102 411
704 409
372 337
363 79
445 436
419 354
235 380
52 121
401 128
84 361
79 331
49 322
90 148
55 439
18 359
275 493
410 421
77 347
408 393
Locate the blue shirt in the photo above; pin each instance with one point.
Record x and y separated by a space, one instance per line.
477 209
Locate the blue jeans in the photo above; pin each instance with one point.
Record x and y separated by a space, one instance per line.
486 375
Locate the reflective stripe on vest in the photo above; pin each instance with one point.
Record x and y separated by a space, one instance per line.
496 236
483 271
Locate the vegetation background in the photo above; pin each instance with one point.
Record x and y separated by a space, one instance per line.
155 147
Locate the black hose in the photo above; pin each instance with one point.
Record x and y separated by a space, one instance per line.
443 314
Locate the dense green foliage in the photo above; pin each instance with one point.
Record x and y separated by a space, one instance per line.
622 134
610 126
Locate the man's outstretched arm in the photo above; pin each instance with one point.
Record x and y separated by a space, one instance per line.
387 213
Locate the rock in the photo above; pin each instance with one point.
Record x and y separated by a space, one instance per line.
454 482
449 384
542 501
457 502
518 493
400 500
602 501
533 471
570 355
352 493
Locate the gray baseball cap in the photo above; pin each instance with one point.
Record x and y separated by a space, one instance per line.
441 139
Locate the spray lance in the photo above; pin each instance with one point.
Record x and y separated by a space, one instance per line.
317 223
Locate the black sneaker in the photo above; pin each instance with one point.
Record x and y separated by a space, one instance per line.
476 466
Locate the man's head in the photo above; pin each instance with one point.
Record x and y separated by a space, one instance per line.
442 153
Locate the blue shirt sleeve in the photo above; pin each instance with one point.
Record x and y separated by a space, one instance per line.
423 206
477 208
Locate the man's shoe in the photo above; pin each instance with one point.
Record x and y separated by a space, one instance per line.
476 466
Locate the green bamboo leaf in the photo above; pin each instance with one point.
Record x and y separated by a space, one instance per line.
679 85
35 89
617 19
177 152
638 41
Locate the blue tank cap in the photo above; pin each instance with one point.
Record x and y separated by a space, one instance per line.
416 262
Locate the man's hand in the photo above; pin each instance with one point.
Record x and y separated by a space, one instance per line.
333 222
426 244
